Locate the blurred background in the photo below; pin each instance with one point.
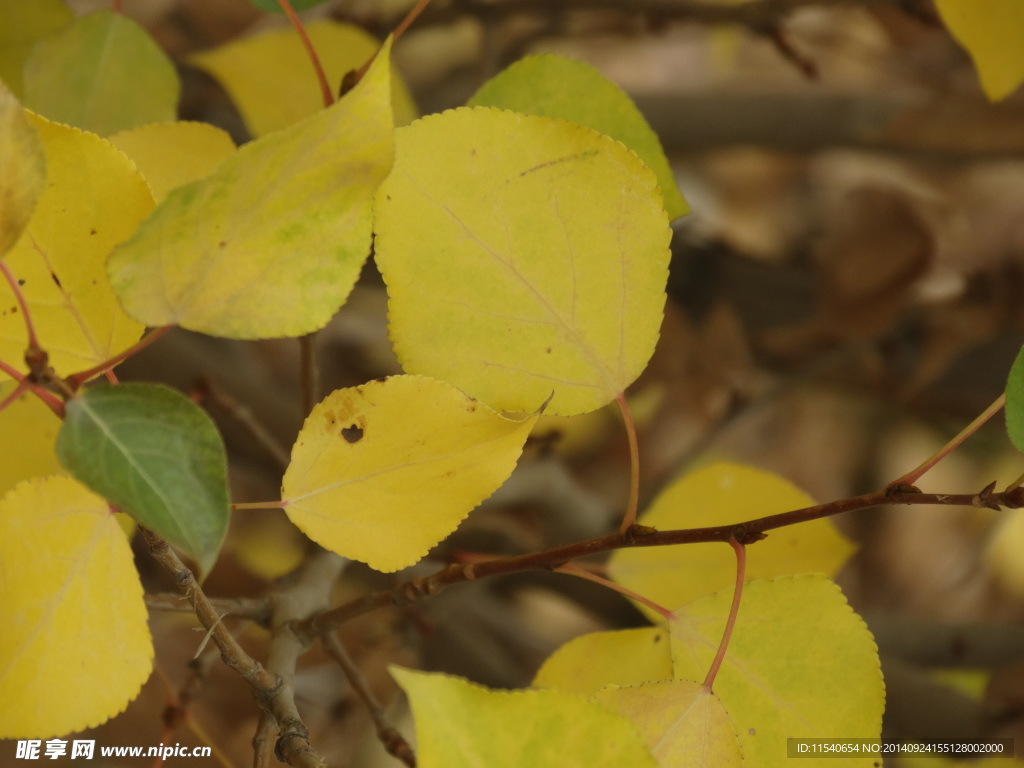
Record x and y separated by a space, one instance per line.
844 298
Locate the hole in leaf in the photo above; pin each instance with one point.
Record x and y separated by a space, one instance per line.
352 434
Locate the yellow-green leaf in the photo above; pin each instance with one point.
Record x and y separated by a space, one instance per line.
523 256
991 31
555 86
800 664
588 663
271 243
22 169
461 724
270 78
103 73
722 494
94 199
72 614
382 472
35 428
22 25
684 725
172 154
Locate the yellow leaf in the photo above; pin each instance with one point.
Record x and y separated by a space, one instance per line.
523 255
102 73
684 725
35 427
94 199
22 170
723 494
991 31
172 154
272 241
800 663
75 648
22 25
590 662
557 86
382 472
459 723
270 78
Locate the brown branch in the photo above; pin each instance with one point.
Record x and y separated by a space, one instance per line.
307 593
272 692
390 738
747 532
206 391
255 610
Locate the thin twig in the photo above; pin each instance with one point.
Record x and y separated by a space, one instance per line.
734 609
907 481
575 570
746 532
629 518
208 392
271 692
390 738
321 76
75 380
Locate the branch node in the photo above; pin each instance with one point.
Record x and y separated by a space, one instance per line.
984 499
894 489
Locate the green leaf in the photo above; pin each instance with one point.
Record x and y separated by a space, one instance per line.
555 86
523 256
104 74
22 25
1015 402
271 243
155 455
273 6
461 724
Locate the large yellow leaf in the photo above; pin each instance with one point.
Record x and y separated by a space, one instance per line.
383 472
991 31
35 428
102 73
633 656
172 154
523 255
270 78
684 725
461 724
722 494
800 664
75 646
271 243
22 169
94 199
557 86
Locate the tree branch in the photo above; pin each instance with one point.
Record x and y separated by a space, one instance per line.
272 692
747 532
